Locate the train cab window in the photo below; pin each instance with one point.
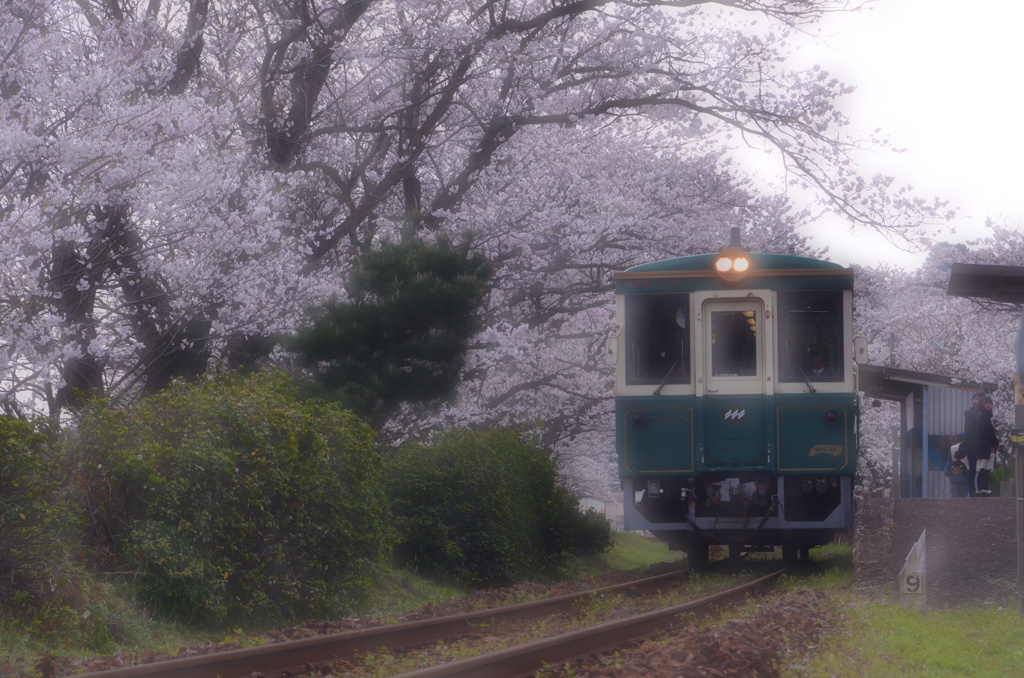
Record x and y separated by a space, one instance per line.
734 343
658 339
810 336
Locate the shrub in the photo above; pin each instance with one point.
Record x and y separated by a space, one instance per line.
28 510
582 533
233 497
71 612
482 508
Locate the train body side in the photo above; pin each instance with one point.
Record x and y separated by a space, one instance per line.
728 428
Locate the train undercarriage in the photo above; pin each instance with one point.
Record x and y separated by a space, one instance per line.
744 512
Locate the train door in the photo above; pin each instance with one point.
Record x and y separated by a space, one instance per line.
735 377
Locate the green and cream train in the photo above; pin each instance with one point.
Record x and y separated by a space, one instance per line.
735 401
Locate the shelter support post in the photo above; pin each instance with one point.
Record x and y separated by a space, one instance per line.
1017 445
1017 440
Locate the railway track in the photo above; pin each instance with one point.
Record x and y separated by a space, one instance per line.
529 657
298 656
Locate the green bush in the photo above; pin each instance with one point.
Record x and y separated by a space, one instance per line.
235 498
28 510
69 613
485 509
586 534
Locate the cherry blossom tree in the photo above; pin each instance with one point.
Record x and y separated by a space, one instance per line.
135 231
180 179
923 328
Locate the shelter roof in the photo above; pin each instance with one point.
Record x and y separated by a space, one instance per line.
893 383
989 281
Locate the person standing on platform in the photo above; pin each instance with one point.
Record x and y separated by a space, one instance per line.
971 444
956 470
988 444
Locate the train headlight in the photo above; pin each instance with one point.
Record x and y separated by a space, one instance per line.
639 419
732 264
831 417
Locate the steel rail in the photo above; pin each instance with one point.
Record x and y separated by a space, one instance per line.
297 656
528 658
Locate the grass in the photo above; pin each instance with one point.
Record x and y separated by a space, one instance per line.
881 638
95 617
876 638
101 617
628 552
400 591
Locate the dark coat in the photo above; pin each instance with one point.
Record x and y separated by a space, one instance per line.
979 434
971 443
987 438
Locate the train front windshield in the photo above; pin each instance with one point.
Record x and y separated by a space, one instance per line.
658 339
810 336
808 327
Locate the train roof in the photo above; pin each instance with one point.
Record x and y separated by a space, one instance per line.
705 262
775 271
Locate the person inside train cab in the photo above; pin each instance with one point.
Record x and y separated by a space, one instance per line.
819 368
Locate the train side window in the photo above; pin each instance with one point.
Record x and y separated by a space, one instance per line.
658 338
810 336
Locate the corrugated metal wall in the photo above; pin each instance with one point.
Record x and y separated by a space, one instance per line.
946 407
944 416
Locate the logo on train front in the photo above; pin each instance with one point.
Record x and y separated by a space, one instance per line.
831 450
735 414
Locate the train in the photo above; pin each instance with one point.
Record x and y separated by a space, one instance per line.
735 401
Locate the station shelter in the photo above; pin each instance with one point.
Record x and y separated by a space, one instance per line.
932 410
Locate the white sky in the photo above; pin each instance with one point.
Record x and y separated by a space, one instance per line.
943 80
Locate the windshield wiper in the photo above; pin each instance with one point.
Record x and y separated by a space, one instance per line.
807 381
657 391
793 363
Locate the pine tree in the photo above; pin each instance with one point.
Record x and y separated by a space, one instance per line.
403 333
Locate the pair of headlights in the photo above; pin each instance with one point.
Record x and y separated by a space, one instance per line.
732 264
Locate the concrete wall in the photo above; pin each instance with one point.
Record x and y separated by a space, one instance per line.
970 550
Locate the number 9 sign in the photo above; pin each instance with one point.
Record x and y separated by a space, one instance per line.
913 582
